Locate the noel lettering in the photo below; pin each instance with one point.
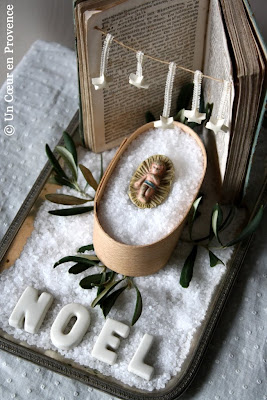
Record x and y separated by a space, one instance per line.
31 309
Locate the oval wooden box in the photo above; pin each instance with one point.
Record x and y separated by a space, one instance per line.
138 260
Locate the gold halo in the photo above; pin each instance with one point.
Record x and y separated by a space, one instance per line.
165 184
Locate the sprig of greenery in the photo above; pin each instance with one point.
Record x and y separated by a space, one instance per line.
217 225
60 177
187 271
105 281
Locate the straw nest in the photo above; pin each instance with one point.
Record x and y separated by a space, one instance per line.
165 184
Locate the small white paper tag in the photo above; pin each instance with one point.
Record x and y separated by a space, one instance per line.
194 115
102 81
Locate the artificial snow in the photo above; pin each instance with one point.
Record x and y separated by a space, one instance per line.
145 226
171 314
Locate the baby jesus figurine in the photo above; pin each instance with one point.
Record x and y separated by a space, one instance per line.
149 182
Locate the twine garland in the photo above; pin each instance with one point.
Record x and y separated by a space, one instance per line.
155 58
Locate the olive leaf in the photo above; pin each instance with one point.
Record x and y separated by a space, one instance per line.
187 271
90 257
69 160
184 96
71 211
102 282
228 220
58 180
54 162
138 306
214 260
70 146
248 230
180 116
52 180
192 125
202 107
192 215
88 176
107 277
86 248
216 220
149 117
109 301
208 110
108 288
78 268
211 232
78 259
65 199
89 282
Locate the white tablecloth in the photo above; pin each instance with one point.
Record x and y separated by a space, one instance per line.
46 97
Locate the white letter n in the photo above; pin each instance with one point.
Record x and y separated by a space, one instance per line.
30 310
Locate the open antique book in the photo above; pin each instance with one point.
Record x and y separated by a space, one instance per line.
215 36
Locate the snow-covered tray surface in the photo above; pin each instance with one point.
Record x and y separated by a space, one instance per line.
172 314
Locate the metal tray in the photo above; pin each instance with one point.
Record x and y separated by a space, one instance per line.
12 245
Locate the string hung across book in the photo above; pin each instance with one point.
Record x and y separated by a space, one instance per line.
137 80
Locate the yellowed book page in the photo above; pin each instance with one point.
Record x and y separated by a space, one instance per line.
171 31
218 64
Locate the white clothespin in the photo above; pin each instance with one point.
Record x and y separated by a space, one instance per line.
165 120
102 81
217 124
194 115
138 79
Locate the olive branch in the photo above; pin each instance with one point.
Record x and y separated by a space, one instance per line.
217 224
60 177
105 281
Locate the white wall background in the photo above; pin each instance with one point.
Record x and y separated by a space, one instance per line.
52 20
